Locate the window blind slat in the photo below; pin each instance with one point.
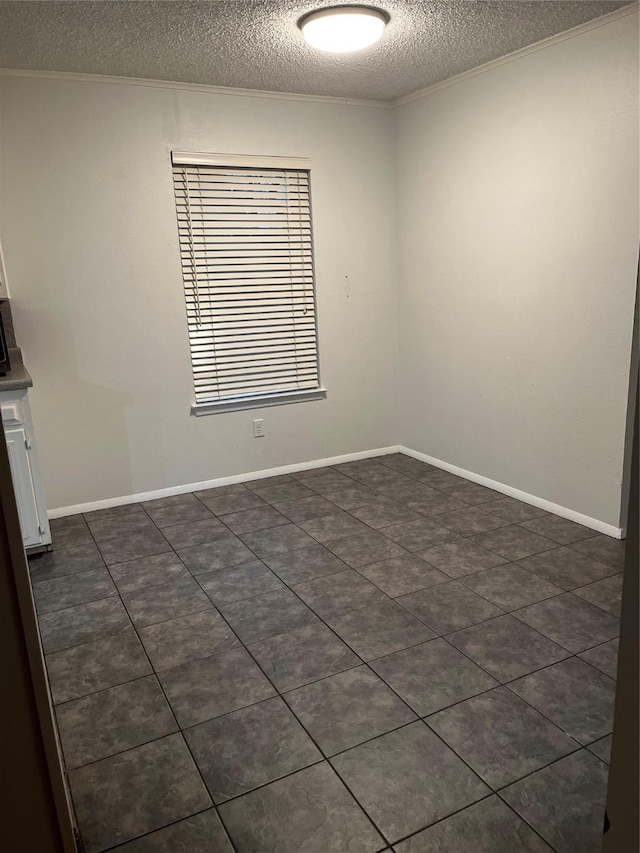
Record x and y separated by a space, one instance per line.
247 264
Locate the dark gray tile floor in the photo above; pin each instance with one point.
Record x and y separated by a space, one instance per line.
374 656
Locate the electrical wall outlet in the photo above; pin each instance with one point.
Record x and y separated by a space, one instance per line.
258 428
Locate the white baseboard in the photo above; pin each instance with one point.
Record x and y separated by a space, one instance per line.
62 511
542 503
525 497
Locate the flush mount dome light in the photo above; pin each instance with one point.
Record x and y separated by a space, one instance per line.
343 29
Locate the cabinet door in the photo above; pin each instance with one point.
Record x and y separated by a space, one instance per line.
23 486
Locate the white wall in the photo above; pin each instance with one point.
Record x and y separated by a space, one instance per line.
518 245
90 242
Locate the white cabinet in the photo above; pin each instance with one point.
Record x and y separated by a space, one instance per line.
23 458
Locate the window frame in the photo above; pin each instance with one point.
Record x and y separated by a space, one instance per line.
257 399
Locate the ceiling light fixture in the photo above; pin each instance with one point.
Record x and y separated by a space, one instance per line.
343 29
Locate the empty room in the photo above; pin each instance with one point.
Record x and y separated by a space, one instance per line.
318 386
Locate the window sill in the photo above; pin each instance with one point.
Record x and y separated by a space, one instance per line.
257 402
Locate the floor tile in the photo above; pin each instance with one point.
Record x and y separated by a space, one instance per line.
180 513
517 741
510 586
133 545
135 792
402 575
169 501
82 624
347 709
489 826
604 658
302 656
65 591
365 548
604 549
267 615
469 521
353 496
202 833
305 564
239 582
507 648
602 748
566 568
406 490
187 638
195 532
166 601
278 540
380 515
432 676
514 542
213 686
473 493
458 557
436 504
65 561
113 511
305 508
95 666
514 511
449 606
253 519
571 622
606 594
113 721
340 593
441 479
564 802
118 526
69 531
406 464
335 526
311 811
560 530
328 482
358 466
226 551
380 630
378 476
223 503
416 535
387 777
574 696
283 492
148 571
249 748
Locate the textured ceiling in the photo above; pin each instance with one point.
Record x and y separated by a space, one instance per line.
255 44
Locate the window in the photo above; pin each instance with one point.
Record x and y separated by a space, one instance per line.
244 227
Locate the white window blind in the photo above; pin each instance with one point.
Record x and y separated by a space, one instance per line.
247 265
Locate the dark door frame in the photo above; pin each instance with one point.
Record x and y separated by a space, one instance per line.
36 814
623 795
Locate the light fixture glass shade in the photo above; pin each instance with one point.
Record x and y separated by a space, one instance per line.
343 29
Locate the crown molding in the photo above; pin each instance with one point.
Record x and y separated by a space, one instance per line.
623 12
193 87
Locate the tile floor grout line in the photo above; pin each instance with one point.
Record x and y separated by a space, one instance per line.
121 844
